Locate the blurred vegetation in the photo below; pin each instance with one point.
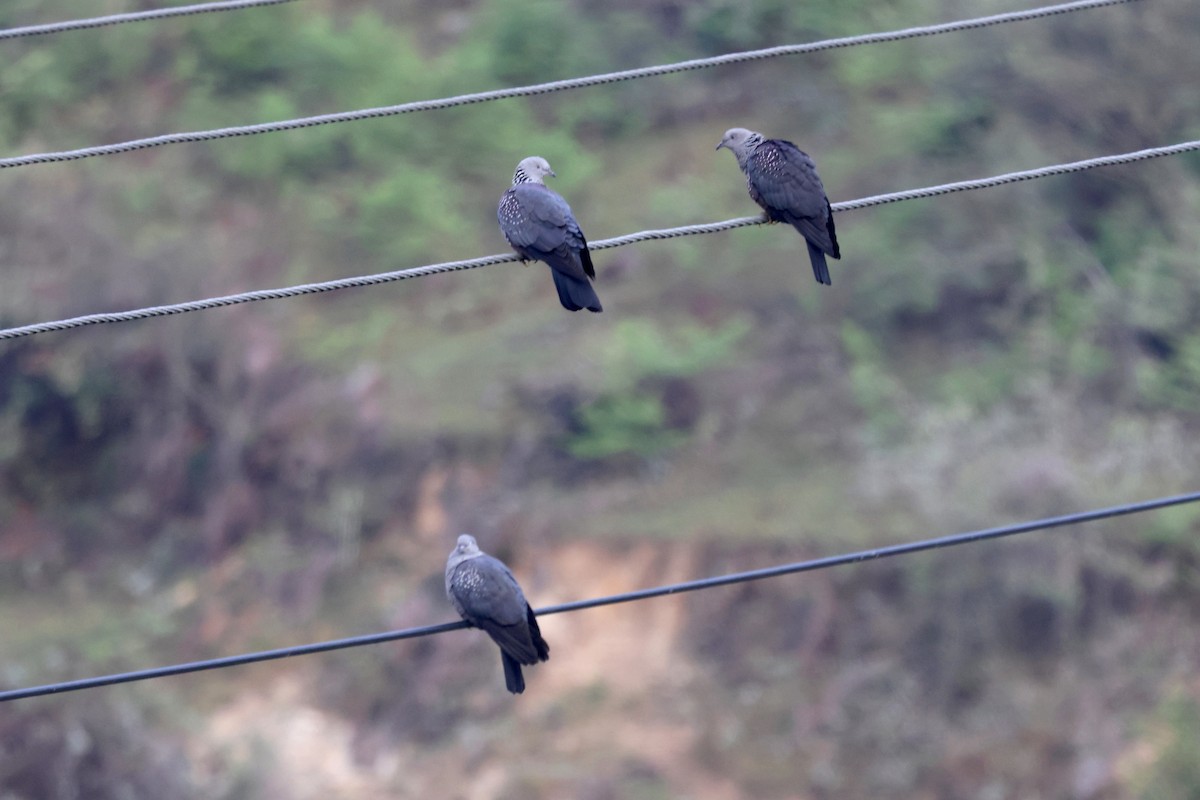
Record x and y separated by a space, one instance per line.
266 475
100 748
1173 771
648 405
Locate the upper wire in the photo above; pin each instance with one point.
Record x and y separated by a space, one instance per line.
134 16
554 86
625 597
602 244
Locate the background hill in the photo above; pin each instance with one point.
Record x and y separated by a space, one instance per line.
297 470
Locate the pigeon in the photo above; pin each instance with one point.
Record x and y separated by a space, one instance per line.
484 593
539 226
783 180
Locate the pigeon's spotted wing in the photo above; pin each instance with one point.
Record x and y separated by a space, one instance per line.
488 592
490 598
537 220
533 217
784 180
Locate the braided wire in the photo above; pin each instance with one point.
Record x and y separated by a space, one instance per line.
553 86
135 16
603 244
1016 177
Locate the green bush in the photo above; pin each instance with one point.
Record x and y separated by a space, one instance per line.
624 424
646 367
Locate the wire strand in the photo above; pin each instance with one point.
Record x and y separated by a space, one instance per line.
553 86
625 597
603 244
136 16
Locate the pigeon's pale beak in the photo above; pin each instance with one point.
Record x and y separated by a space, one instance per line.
552 174
722 144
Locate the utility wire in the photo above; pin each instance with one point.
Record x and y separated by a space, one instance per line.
626 597
603 244
553 86
136 16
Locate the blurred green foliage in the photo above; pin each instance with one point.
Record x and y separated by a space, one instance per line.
1174 772
644 348
624 424
877 392
629 415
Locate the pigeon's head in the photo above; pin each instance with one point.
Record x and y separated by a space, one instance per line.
740 141
532 170
466 547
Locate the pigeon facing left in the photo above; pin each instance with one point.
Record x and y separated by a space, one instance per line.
784 181
539 225
486 595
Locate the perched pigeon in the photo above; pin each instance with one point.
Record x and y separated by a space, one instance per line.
539 225
783 180
487 596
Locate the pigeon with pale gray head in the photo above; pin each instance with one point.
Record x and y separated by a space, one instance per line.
486 595
539 226
783 180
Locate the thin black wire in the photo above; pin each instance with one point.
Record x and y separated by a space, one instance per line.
555 86
135 16
626 597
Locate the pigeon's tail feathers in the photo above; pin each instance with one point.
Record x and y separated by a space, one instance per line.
535 633
513 679
834 251
585 258
819 232
819 264
514 640
575 293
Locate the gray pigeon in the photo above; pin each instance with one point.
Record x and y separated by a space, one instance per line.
539 225
783 180
485 594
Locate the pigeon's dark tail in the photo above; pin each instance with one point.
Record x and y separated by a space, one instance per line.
513 679
575 293
535 634
836 252
819 264
585 258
